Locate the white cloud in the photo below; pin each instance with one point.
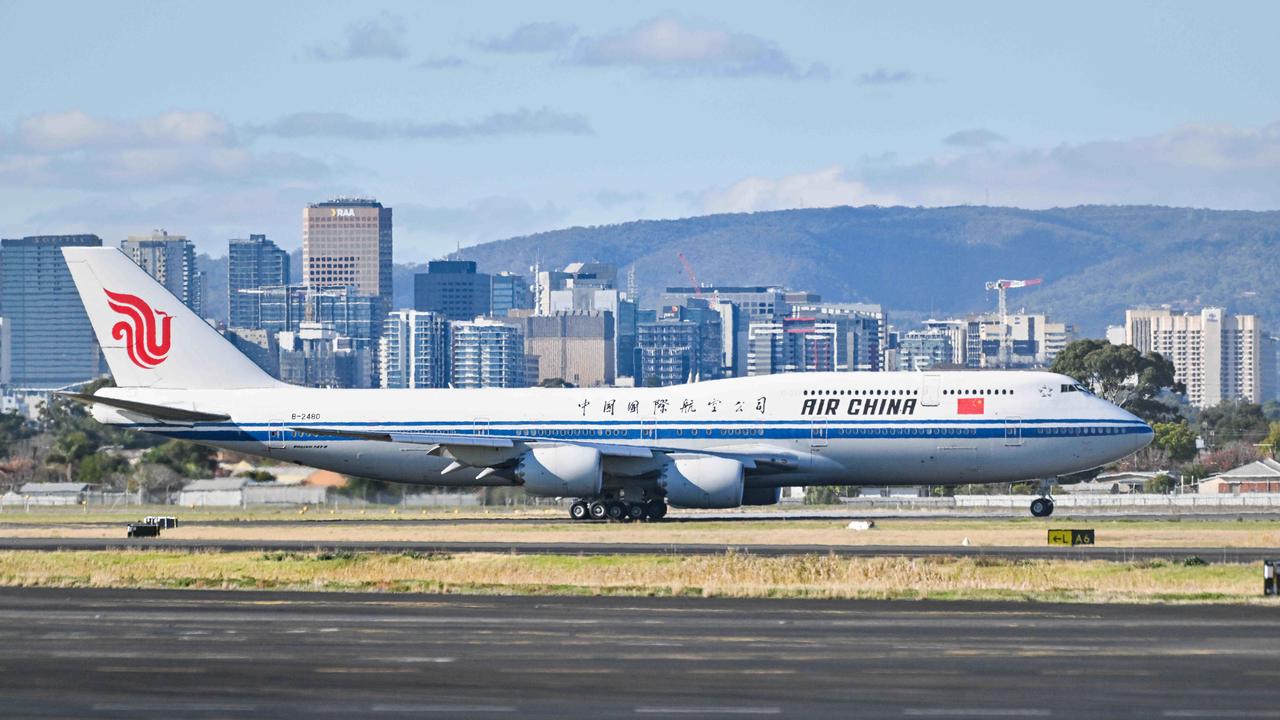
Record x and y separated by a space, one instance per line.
524 121
670 46
74 149
382 37
536 37
828 187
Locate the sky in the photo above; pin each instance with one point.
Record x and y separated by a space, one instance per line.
479 121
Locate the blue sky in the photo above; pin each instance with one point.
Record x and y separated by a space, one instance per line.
479 121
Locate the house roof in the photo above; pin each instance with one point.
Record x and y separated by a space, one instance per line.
1266 469
216 484
45 488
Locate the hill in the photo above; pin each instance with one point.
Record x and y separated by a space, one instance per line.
1095 260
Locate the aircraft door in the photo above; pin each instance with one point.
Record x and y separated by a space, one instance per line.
817 435
649 429
931 393
275 435
1013 432
480 426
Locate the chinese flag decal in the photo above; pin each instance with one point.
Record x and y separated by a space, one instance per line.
970 406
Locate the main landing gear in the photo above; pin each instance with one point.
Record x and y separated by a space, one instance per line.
617 510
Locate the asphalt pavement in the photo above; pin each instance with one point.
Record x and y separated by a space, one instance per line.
111 653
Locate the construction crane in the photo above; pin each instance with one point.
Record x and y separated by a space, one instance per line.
1006 337
688 269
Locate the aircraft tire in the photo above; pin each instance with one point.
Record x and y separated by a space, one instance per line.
598 511
616 511
655 509
1041 507
635 511
579 511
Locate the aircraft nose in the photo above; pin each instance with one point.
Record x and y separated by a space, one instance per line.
1139 433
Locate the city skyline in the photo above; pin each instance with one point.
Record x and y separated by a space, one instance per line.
476 129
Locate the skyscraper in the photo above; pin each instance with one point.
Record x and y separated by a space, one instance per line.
510 292
171 260
347 242
452 288
52 343
414 350
1218 355
487 353
252 263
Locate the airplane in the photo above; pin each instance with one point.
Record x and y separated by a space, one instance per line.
621 454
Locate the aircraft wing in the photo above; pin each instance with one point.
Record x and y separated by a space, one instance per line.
752 458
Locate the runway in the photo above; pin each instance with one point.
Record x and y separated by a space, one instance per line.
1127 554
75 653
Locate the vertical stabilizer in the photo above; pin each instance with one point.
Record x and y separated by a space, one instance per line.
150 339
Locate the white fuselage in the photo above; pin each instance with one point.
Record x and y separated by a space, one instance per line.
839 428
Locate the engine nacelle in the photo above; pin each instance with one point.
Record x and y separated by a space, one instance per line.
561 471
703 482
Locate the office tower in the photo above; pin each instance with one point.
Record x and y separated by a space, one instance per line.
754 304
346 242
793 344
487 353
414 350
579 276
1033 340
252 263
1217 355
684 346
452 288
861 333
171 260
281 308
509 292
316 355
574 346
52 343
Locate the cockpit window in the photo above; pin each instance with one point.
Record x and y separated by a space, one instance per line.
1074 387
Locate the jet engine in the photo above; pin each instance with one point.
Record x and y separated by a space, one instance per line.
761 496
702 482
561 471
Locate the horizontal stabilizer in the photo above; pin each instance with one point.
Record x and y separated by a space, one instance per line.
163 413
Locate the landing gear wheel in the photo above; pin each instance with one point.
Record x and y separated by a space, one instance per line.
579 511
615 510
1042 507
655 509
635 511
598 511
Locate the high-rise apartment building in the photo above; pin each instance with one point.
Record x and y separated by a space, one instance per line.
346 242
685 345
51 341
452 288
925 349
753 303
171 260
861 332
487 353
252 263
414 350
1217 355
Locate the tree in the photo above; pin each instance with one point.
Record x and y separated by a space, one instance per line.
1233 421
187 459
1272 441
100 467
821 495
69 449
1123 376
257 475
13 428
1161 483
1176 439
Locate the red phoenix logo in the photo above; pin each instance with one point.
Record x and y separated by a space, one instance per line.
145 339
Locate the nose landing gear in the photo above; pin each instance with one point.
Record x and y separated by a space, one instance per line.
1043 505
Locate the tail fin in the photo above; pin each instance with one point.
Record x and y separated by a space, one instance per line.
149 337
